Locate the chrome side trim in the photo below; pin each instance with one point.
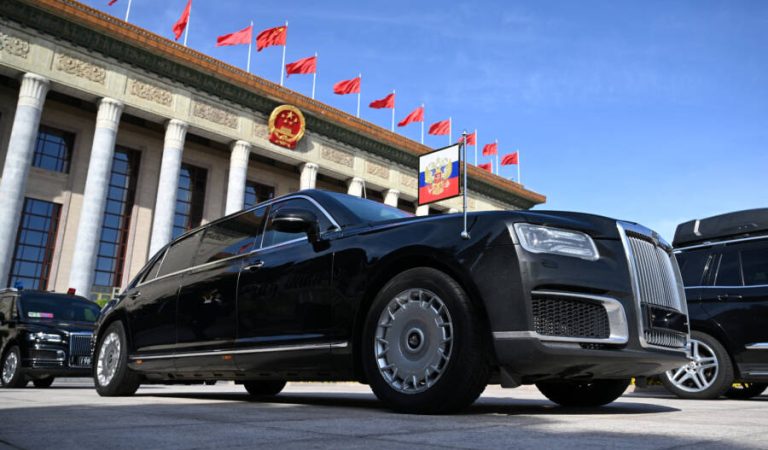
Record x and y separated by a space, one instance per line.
617 318
757 346
728 287
713 243
222 352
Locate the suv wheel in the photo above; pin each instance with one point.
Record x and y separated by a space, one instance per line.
111 374
707 376
586 393
12 376
423 346
744 391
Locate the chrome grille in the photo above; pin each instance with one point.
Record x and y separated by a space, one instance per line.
665 338
655 270
80 344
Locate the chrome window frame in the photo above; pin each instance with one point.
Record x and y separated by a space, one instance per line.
269 203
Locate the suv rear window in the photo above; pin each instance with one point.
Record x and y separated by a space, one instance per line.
692 265
754 264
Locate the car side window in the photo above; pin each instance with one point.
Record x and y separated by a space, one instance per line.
181 254
754 263
235 236
729 272
692 265
151 273
274 237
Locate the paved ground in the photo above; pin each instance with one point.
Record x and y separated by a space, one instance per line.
338 416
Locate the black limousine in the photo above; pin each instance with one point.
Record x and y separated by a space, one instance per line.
324 286
724 263
44 335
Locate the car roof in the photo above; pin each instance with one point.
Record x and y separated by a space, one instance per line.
730 226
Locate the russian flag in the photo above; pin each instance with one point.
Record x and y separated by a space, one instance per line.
439 175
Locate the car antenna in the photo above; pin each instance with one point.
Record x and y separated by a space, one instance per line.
464 233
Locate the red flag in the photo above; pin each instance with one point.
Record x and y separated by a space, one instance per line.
243 36
386 102
508 160
271 36
304 65
471 139
441 128
417 115
347 86
181 24
490 149
111 2
488 167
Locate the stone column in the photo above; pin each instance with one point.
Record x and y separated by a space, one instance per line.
167 185
391 196
21 147
422 210
95 196
308 176
238 171
355 186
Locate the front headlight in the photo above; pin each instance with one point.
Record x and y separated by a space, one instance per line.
45 337
541 239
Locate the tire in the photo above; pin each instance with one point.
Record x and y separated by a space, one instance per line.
745 391
111 374
424 349
708 376
583 393
43 383
264 388
11 375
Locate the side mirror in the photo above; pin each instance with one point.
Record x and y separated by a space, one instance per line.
295 220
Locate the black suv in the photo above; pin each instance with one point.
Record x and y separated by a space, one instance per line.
44 335
724 264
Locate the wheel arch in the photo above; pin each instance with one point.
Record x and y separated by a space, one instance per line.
716 332
399 262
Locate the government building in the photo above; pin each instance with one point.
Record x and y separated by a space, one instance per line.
114 140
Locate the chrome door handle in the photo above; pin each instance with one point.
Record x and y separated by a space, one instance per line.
255 266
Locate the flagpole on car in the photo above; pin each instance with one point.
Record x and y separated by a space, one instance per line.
464 233
282 66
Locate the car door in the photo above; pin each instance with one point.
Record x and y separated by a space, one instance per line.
284 299
206 320
151 306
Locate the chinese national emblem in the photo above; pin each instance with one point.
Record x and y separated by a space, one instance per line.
286 126
437 176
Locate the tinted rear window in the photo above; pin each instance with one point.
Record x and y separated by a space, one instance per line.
234 236
755 266
181 254
692 265
728 274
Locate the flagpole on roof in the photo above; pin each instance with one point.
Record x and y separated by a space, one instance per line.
359 89
450 125
250 45
422 124
314 75
519 181
497 156
186 28
282 66
475 146
128 10
392 127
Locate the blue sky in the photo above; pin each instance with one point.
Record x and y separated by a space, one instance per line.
650 111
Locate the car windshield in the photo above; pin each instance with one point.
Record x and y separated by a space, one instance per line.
58 308
370 211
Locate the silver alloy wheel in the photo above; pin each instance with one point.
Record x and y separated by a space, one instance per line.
413 342
9 367
700 372
109 358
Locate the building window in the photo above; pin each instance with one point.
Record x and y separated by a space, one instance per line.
256 193
190 199
117 220
53 149
31 265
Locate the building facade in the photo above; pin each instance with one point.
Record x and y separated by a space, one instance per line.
114 140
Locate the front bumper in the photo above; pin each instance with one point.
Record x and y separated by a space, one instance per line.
528 360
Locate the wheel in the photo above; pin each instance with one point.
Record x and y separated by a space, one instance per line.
583 393
111 374
12 376
264 388
744 391
43 383
423 346
709 374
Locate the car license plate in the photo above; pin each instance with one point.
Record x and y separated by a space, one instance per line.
83 360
